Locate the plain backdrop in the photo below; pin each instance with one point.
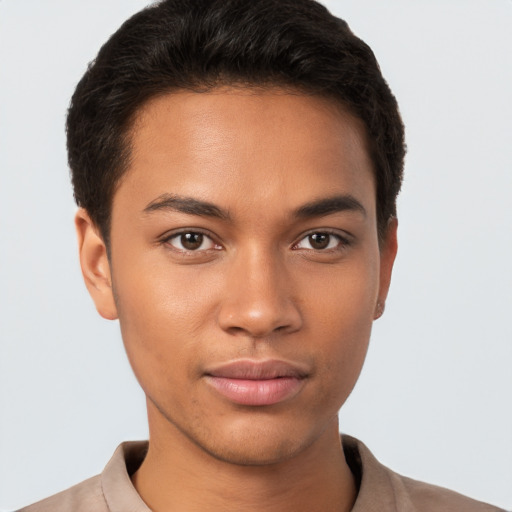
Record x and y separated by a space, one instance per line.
434 400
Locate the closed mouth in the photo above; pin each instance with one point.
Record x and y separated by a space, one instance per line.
257 383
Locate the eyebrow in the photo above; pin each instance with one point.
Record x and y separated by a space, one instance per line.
330 205
192 206
185 204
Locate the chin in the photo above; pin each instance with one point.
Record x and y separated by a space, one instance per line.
257 441
255 450
240 435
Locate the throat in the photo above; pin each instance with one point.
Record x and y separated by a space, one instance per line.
311 481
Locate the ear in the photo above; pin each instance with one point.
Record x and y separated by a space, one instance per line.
388 250
95 265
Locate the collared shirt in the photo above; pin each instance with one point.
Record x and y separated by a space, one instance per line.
380 489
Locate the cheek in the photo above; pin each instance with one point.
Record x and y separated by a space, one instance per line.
340 360
343 318
160 315
342 300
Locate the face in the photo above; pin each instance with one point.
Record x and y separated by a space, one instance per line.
245 267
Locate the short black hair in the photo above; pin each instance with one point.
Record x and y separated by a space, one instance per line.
202 44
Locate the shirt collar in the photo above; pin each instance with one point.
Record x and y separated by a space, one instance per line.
119 492
379 488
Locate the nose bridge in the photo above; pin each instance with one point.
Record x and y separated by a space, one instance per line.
258 298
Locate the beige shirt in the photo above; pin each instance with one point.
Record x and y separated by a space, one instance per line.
380 489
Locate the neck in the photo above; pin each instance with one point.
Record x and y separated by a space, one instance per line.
177 472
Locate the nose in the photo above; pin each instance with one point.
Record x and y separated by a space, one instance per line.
258 299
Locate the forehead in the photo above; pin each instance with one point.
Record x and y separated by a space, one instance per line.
248 146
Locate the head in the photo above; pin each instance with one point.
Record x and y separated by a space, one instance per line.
237 164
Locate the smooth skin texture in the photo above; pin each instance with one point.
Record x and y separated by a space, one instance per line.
244 229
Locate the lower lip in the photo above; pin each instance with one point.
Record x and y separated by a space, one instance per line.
256 392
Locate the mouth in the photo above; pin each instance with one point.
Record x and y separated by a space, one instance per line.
256 383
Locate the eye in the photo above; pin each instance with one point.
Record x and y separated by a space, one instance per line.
320 241
191 241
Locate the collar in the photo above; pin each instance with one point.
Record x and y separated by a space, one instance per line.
379 488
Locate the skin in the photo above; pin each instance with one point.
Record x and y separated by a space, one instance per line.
257 287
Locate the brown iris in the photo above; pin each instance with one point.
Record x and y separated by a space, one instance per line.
191 241
319 240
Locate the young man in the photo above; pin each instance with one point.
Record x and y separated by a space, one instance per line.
236 165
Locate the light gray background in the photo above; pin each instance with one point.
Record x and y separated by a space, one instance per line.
435 397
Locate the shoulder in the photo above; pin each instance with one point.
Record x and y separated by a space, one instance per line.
381 489
83 497
112 490
427 497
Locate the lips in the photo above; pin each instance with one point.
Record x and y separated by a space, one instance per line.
256 383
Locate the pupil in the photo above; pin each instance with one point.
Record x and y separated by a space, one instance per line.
319 240
191 241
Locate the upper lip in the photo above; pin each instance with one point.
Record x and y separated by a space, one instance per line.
253 369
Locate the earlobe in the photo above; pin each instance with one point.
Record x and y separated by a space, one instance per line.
95 265
388 250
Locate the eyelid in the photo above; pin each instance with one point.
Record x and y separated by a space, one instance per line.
344 238
169 235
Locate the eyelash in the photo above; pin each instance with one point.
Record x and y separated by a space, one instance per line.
167 241
343 242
